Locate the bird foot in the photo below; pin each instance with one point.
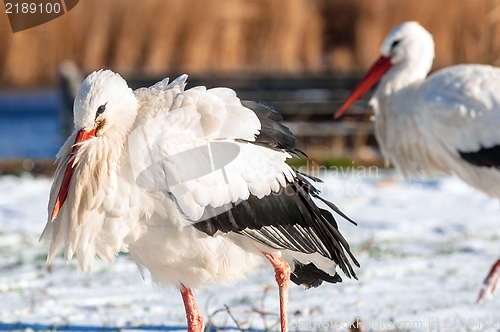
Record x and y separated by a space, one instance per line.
490 283
193 316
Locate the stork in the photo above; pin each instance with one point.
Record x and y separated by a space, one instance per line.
447 122
194 184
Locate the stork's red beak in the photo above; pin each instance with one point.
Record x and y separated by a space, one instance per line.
378 69
82 136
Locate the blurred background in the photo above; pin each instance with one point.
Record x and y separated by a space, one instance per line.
301 56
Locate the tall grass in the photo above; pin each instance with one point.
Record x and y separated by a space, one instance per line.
241 36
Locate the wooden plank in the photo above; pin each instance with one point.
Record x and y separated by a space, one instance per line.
252 82
17 166
330 128
290 108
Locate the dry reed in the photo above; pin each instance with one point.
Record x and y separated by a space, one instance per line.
241 36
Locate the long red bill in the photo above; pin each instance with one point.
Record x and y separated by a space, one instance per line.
82 136
378 69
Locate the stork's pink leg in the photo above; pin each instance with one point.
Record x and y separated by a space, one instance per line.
193 316
490 283
282 271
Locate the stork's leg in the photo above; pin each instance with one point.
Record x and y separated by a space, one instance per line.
490 283
193 316
282 271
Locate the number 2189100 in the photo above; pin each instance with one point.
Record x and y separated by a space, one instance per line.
32 8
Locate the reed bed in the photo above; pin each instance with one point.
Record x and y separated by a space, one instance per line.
241 36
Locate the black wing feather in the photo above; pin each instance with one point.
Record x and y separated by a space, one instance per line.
288 219
273 134
262 110
488 157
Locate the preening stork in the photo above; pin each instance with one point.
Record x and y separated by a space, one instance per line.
194 184
448 122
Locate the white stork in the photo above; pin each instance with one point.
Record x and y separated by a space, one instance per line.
448 122
194 184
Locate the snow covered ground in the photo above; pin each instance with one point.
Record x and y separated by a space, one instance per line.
424 249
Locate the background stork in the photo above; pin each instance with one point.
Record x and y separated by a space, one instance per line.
194 184
448 122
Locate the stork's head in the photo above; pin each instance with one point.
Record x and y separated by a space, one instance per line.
105 108
104 101
409 44
407 50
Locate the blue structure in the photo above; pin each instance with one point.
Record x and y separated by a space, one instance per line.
29 124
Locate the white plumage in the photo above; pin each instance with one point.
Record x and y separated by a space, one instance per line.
133 178
448 122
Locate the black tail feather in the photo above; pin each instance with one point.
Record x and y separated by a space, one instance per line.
310 276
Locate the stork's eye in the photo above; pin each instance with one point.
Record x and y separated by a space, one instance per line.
394 44
100 110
